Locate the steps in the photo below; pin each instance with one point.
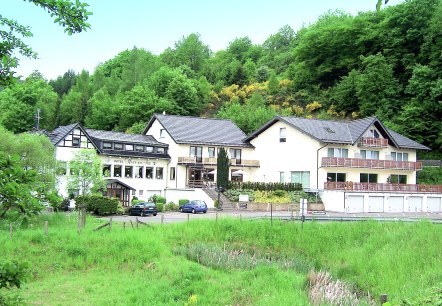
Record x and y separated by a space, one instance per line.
213 194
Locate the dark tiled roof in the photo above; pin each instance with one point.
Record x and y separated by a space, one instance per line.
194 130
404 142
59 133
122 137
345 132
134 154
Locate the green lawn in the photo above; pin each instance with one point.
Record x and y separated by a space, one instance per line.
224 262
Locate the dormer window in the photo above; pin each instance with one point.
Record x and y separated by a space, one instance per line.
118 146
139 148
149 149
107 145
129 147
160 150
282 137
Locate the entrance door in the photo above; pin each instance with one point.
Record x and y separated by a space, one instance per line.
195 177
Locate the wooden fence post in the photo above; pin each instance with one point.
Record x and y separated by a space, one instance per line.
216 214
46 228
383 298
162 219
136 222
110 224
124 225
10 230
188 217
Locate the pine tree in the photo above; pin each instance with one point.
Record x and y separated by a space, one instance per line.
222 165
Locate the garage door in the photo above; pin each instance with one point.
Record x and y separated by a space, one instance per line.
434 204
396 204
355 204
415 204
375 204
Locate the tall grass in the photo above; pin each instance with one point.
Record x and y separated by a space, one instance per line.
259 263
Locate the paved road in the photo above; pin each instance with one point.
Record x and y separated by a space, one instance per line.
173 217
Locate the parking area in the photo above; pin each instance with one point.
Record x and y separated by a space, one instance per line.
173 217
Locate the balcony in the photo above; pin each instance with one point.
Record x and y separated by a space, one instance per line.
382 187
370 142
211 161
370 163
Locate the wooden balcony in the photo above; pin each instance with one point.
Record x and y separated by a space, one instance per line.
341 162
210 161
370 142
382 187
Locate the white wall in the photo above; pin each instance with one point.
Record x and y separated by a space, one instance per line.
298 153
176 194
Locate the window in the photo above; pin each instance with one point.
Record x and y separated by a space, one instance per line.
336 177
197 152
106 170
128 171
133 192
139 148
366 154
159 173
149 172
337 152
162 133
107 145
301 177
118 146
397 178
139 172
281 177
160 150
211 152
368 178
399 156
374 133
140 192
282 137
76 142
149 149
129 147
236 155
172 173
117 171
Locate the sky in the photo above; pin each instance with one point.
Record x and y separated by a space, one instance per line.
118 25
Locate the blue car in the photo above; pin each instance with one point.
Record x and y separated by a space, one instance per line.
194 207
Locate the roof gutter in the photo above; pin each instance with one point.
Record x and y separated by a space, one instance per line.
317 165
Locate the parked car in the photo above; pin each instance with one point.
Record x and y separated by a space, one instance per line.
194 207
143 209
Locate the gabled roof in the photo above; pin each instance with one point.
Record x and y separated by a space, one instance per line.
195 130
96 137
341 132
117 136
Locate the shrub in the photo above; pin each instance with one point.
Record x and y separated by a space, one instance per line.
171 206
157 199
120 209
160 207
182 201
265 186
136 201
97 204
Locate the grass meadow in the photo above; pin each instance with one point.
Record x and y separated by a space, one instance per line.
223 262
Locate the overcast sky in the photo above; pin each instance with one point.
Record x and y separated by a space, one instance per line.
118 25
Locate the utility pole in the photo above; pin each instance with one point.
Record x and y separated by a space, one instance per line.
37 120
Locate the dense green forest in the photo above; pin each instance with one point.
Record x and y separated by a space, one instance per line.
386 63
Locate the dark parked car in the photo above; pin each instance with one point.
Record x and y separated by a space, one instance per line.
194 207
143 209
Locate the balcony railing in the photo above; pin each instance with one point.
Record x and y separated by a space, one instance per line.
370 163
371 142
382 187
211 161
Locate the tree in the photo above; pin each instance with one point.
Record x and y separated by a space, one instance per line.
222 168
21 191
86 172
72 16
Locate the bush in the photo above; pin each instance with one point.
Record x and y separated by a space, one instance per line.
171 207
265 186
157 199
182 201
160 207
97 204
120 209
136 201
